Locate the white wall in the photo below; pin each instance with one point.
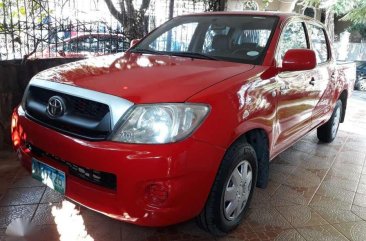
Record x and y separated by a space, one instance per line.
276 5
355 51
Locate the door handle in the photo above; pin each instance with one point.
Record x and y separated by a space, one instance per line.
312 81
333 75
284 88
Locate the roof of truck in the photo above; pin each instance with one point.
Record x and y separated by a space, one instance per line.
281 15
254 13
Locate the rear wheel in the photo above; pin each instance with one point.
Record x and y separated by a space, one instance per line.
231 192
328 131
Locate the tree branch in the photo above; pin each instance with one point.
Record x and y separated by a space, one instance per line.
113 10
129 7
356 15
144 5
26 56
123 8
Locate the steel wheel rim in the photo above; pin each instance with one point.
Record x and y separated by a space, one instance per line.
237 190
362 85
335 124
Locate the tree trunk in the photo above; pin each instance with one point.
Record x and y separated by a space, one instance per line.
134 21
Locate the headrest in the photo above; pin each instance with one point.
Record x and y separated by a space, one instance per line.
220 42
249 45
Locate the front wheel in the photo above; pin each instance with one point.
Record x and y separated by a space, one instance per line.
328 131
231 192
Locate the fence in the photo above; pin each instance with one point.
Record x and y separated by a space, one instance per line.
72 28
40 28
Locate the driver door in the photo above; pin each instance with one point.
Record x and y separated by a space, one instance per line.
295 99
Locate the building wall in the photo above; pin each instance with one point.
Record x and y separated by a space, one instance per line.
350 51
275 5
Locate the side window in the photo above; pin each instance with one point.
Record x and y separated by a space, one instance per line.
293 37
319 43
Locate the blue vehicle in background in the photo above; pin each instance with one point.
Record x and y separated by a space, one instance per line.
360 83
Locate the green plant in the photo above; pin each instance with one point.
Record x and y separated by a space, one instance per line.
354 10
266 3
358 27
357 15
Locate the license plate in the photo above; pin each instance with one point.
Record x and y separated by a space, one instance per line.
48 175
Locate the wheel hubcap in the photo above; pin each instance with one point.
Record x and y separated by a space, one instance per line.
237 190
335 124
363 85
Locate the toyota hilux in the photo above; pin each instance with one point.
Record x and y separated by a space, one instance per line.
185 123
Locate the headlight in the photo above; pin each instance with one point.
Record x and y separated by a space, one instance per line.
159 123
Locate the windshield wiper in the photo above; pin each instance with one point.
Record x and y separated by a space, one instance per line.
193 55
181 54
145 51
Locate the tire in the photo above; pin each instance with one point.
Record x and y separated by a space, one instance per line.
219 216
328 131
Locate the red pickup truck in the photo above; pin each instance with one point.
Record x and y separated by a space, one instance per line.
185 123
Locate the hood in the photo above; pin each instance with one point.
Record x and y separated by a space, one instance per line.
144 78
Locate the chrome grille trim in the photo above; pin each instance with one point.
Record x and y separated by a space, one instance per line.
117 105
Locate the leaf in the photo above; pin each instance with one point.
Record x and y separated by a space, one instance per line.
22 10
356 15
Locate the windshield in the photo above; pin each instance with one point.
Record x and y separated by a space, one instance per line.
236 38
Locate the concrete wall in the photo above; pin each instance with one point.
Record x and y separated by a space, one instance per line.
14 77
354 51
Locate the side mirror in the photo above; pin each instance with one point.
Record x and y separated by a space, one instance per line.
134 42
298 59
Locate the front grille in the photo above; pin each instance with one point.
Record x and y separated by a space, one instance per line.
104 179
83 118
88 108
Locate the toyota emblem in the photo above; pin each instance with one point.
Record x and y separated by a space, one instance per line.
55 107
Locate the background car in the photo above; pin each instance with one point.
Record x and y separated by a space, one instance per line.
85 45
360 83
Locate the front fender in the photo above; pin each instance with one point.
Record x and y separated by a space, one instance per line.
238 105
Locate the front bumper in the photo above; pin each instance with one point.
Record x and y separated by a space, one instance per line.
183 172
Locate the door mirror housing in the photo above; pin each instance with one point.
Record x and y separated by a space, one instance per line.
134 42
298 59
61 53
